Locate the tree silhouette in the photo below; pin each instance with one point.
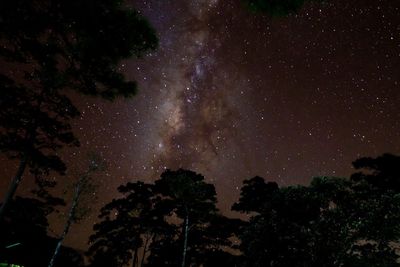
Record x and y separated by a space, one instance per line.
331 222
211 242
51 48
78 209
128 226
28 216
193 200
173 222
255 192
382 172
26 241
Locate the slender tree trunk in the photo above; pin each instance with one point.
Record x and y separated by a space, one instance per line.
144 251
146 244
71 214
135 257
185 240
69 221
13 186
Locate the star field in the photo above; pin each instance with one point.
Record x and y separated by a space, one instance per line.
232 94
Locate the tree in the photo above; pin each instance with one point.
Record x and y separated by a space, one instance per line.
169 223
213 244
128 225
26 241
382 172
193 200
279 232
83 188
254 193
378 185
277 8
28 217
50 48
332 222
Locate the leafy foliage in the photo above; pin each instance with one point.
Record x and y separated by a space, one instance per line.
381 172
127 223
332 222
150 220
27 227
49 49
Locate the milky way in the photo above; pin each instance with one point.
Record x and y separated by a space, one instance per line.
191 109
195 111
232 94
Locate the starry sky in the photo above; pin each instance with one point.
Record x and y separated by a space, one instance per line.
232 94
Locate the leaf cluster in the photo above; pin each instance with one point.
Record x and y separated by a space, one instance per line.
331 222
150 219
49 49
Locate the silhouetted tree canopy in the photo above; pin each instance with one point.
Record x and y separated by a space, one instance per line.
49 48
200 235
128 224
382 172
173 222
83 189
254 193
27 226
332 222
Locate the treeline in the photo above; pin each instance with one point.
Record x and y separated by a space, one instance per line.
331 222
174 221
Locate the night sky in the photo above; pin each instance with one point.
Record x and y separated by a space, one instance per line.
232 94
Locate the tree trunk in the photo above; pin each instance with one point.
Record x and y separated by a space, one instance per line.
185 240
144 250
13 186
135 258
69 221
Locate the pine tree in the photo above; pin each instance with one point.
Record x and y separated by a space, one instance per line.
49 49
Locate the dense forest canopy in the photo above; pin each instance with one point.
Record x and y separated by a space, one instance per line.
332 221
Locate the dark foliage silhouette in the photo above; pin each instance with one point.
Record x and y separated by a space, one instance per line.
26 241
78 209
173 222
48 49
332 222
382 172
128 225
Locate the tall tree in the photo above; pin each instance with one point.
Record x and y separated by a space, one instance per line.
169 223
28 217
128 226
193 200
48 48
26 241
332 222
84 187
254 194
